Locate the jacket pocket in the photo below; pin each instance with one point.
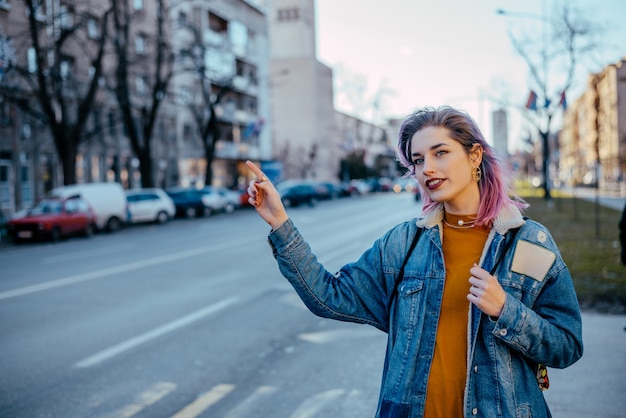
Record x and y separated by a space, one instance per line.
410 294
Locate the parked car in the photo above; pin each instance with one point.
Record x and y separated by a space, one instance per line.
190 202
149 205
232 199
53 219
294 194
107 200
357 187
243 198
215 201
325 190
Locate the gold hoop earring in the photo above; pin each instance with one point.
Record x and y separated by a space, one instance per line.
477 173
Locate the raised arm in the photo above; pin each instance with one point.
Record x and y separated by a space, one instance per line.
265 198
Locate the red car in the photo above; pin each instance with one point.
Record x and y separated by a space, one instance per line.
53 219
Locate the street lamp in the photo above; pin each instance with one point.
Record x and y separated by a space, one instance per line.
543 20
526 15
541 82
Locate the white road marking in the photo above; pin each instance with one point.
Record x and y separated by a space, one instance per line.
205 401
155 333
120 269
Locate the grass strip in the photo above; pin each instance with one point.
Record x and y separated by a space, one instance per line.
587 236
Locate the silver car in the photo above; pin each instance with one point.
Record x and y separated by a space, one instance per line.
149 205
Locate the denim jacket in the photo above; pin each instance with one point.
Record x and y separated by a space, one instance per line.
540 321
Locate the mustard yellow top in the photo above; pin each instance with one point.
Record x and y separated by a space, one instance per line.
446 383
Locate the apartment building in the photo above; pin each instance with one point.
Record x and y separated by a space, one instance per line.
234 34
29 165
236 58
593 139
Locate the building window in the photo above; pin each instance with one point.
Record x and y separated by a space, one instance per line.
66 16
288 14
66 67
112 124
141 85
247 71
217 24
5 119
138 5
40 11
140 44
93 30
31 57
187 132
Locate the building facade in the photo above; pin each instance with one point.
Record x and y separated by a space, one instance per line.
235 36
593 139
500 132
235 44
303 129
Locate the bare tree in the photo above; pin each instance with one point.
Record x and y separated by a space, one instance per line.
202 106
352 90
140 109
64 99
566 38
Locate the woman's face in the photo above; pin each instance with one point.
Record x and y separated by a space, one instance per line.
444 169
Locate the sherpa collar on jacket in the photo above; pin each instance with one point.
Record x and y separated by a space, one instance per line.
508 217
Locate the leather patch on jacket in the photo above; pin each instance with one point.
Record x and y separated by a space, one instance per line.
532 260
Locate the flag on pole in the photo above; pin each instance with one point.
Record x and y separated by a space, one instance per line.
531 103
253 128
563 101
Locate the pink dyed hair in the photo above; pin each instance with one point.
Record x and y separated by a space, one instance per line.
495 183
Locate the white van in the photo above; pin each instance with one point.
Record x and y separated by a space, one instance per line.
108 201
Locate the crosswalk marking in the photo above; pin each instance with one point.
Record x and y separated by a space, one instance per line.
314 406
243 407
147 398
205 401
324 337
315 403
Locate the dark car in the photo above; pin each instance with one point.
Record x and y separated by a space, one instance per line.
188 202
53 219
294 194
326 190
192 202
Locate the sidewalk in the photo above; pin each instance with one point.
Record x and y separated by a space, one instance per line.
595 386
610 200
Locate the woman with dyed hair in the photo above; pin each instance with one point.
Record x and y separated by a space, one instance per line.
475 298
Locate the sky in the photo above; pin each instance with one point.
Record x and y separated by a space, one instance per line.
454 52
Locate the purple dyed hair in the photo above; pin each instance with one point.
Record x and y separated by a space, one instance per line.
494 185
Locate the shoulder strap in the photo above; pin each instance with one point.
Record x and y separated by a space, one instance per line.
406 260
509 237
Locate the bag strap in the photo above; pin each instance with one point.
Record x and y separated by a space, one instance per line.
406 260
509 237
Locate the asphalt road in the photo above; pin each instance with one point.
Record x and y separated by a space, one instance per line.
192 319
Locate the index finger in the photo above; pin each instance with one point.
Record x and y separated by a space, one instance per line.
255 170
